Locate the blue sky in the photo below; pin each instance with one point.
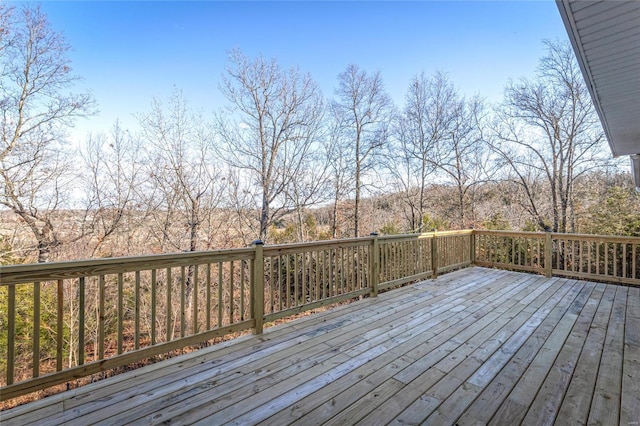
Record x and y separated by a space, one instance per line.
130 52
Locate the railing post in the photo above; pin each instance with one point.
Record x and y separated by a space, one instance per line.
434 255
374 264
257 287
472 247
548 253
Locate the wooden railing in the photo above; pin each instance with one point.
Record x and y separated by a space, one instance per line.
594 257
68 320
518 251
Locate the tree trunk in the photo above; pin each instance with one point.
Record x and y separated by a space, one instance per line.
357 201
264 217
334 220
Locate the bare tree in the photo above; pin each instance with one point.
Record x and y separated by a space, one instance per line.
239 206
463 156
114 174
270 130
309 188
425 122
438 137
548 135
37 109
341 172
364 111
184 184
7 36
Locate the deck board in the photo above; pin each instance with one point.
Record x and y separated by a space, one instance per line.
630 400
605 407
554 329
489 358
475 346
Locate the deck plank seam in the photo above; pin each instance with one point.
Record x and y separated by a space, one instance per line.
516 339
576 335
545 331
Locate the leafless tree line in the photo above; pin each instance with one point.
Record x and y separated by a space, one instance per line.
186 181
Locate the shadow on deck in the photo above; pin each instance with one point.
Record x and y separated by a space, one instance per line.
476 346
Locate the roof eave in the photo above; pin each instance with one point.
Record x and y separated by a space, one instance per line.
574 37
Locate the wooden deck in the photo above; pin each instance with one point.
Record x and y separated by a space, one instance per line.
476 346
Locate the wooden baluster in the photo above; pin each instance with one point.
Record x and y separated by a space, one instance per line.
36 329
59 325
208 296
153 306
120 311
11 332
220 295
101 316
194 302
137 311
548 254
434 256
81 321
168 306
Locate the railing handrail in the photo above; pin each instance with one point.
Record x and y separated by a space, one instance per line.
273 249
563 235
540 234
24 273
607 258
29 272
